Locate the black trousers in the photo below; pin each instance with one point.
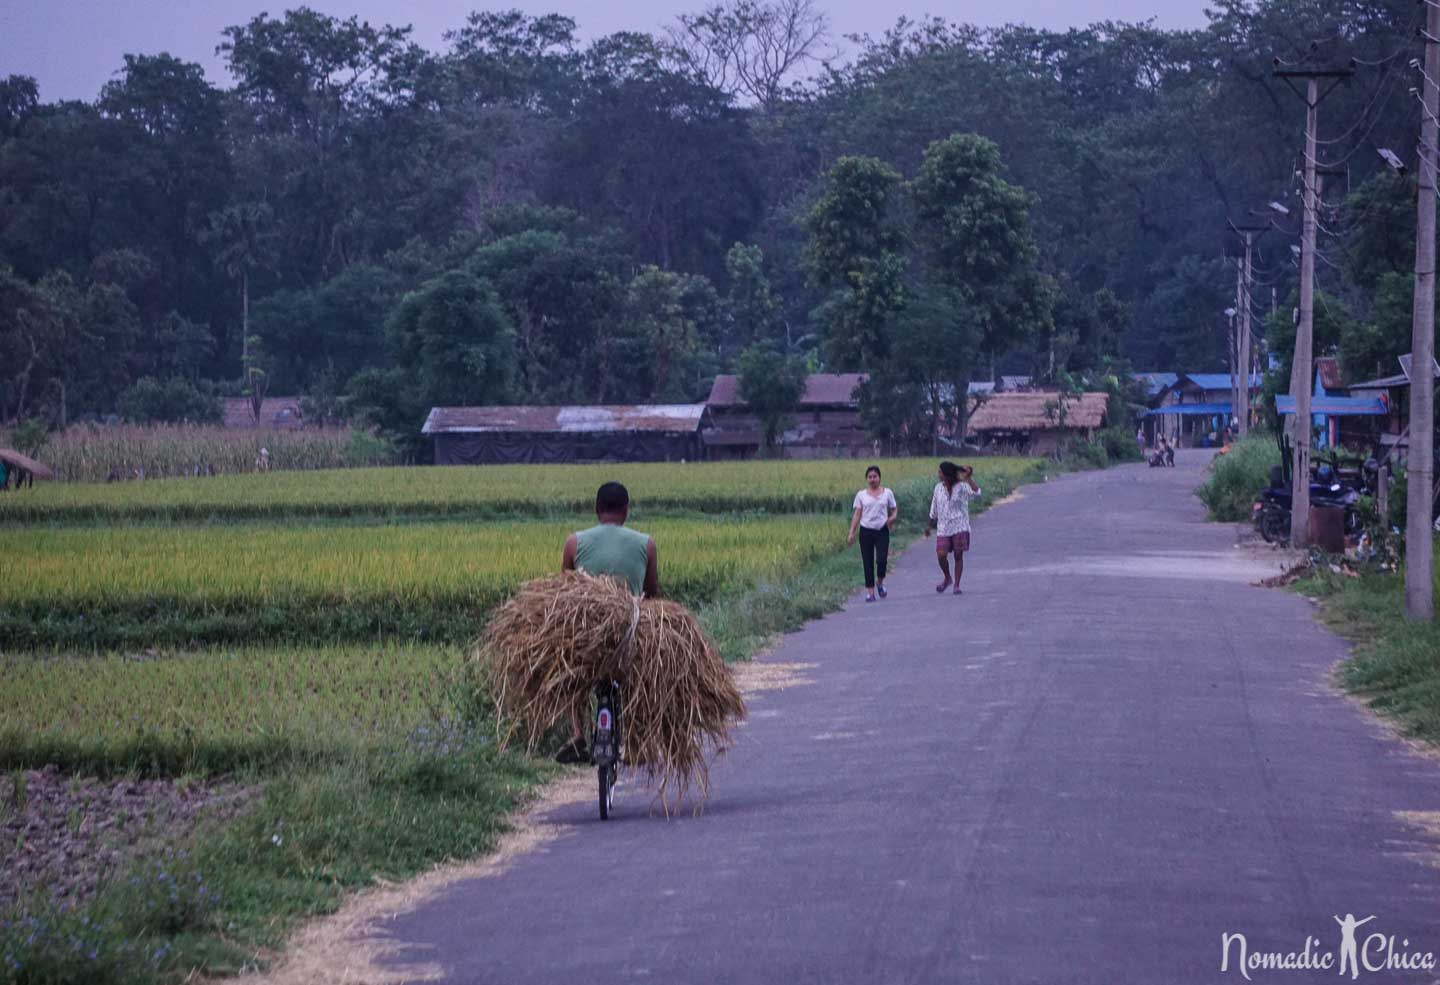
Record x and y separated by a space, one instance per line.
874 553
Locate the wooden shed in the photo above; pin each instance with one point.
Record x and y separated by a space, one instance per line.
276 414
825 425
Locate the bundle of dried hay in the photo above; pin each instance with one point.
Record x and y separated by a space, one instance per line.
544 651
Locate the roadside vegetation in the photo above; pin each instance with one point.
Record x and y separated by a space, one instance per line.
1238 476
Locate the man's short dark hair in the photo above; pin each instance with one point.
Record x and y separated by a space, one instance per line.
612 498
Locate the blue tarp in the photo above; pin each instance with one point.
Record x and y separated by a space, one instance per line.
1202 410
1336 406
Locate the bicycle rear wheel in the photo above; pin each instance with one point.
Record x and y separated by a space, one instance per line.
607 790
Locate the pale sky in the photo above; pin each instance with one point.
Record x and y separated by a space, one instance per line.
74 46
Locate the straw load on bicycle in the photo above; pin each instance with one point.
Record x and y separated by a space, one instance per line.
544 651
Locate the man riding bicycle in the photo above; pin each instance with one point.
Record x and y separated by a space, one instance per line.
609 548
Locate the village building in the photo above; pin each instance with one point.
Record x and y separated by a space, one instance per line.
1201 405
276 414
1159 392
826 424
1036 422
1393 392
545 435
1338 418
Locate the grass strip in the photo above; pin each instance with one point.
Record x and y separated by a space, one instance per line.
1395 667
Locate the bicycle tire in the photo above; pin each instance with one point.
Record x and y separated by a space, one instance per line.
607 785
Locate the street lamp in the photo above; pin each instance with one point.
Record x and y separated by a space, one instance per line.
1393 159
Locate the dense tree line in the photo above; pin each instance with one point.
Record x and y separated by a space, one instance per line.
525 217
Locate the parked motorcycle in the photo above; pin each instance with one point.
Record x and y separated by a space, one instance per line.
1271 511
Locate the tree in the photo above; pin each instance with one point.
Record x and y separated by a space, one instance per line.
935 339
751 308
683 184
854 251
337 327
450 344
771 385
564 297
664 317
239 235
453 337
750 49
973 229
23 314
323 126
19 98
175 400
68 343
179 169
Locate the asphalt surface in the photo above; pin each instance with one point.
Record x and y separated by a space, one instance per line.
1110 751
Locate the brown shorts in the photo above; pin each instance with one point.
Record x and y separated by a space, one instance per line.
958 543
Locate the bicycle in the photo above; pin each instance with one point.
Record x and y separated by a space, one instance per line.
605 743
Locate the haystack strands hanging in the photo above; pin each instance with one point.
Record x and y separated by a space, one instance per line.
546 649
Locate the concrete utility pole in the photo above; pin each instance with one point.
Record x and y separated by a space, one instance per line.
1237 337
1420 468
1244 370
1304 363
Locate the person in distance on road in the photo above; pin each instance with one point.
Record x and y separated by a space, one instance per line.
950 518
874 514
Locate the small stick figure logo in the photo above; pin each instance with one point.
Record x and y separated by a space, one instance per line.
1348 952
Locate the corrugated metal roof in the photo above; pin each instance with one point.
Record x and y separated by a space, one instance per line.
1027 412
820 389
1215 381
1384 383
614 418
1328 369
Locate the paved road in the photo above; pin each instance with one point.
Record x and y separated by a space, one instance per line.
1108 752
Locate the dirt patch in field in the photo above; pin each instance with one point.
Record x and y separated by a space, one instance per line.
64 835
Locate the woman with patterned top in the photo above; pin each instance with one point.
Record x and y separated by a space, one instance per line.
950 518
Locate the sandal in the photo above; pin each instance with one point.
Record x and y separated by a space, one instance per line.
943 585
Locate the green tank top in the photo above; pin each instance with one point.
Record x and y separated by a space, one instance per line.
608 549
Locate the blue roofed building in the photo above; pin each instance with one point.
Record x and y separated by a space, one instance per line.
1195 408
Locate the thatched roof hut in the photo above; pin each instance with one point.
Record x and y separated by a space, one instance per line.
14 459
1038 421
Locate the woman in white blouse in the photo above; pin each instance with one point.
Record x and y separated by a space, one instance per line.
874 514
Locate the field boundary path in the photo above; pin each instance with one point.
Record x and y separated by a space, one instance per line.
1110 751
